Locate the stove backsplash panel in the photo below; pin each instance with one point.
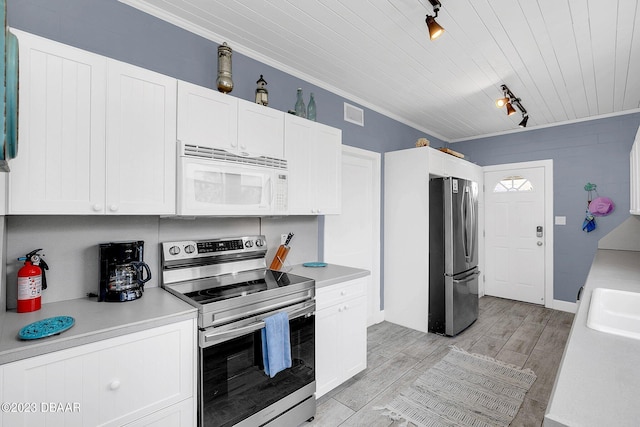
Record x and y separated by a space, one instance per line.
70 244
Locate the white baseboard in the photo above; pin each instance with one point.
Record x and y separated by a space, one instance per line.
569 307
378 318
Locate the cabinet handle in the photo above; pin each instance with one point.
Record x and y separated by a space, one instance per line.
97 207
343 292
113 208
346 307
114 385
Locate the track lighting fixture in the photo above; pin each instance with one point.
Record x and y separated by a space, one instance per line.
525 119
435 30
509 99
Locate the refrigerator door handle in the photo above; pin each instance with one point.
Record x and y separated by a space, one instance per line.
468 278
467 223
472 226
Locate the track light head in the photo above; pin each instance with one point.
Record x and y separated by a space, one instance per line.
523 123
501 102
435 30
509 100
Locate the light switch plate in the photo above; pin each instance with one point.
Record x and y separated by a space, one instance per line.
561 220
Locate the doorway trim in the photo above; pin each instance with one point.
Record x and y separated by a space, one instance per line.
547 165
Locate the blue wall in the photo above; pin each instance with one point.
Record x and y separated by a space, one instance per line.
596 151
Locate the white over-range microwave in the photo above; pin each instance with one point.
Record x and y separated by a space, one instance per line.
213 181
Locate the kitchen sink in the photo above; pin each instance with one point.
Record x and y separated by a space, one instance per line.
615 312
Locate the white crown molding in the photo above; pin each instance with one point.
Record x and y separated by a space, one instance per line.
550 125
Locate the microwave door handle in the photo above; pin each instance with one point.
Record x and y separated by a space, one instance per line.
272 194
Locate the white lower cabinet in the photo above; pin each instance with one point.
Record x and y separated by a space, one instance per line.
341 333
145 378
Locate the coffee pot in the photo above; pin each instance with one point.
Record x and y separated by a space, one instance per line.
123 272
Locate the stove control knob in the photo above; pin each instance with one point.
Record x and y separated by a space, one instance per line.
174 250
259 243
189 249
248 244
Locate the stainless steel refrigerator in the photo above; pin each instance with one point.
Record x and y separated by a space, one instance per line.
453 255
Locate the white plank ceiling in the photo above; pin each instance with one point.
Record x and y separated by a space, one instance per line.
566 60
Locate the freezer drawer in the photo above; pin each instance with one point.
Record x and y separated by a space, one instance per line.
453 303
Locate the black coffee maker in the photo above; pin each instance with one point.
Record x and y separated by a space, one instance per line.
123 271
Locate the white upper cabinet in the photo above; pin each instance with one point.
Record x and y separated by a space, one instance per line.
209 118
443 164
60 166
141 135
260 130
96 135
314 155
634 179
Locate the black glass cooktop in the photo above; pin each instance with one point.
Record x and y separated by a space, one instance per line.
230 291
205 291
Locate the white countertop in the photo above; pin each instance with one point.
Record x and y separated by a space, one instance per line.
329 275
94 321
598 382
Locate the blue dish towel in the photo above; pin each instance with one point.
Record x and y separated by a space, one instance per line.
276 346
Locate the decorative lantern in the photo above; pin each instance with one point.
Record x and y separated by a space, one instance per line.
224 81
262 95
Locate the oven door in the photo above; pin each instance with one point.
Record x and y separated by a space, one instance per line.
233 387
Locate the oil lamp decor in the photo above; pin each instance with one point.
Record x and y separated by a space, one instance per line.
224 81
262 95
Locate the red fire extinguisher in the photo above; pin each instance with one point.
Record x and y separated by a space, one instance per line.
31 282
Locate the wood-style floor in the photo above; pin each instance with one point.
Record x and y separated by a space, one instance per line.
522 334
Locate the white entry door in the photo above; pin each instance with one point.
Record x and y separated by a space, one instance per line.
518 231
353 237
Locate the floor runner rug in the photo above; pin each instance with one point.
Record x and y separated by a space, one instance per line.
463 389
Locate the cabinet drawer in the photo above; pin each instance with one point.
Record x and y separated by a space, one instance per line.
335 294
182 414
110 382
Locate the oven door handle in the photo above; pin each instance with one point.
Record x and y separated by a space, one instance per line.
217 337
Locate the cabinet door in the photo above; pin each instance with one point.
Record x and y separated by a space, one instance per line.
436 162
207 117
60 167
260 130
314 156
328 169
354 339
299 143
110 382
328 350
141 141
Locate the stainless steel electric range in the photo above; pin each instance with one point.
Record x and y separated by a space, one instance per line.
227 280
